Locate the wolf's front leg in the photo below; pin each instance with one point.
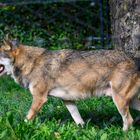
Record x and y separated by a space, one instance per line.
39 98
36 105
74 112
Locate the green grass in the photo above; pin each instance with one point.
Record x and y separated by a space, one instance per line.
54 122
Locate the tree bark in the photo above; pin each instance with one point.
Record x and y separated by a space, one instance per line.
125 21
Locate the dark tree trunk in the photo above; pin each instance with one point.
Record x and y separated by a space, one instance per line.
125 18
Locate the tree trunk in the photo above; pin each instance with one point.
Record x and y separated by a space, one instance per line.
125 18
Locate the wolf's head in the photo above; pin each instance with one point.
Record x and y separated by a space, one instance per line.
7 55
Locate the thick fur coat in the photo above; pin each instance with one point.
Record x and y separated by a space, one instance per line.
72 75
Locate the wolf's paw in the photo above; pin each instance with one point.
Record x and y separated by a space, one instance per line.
81 124
26 120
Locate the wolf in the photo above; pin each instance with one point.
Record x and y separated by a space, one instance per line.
73 75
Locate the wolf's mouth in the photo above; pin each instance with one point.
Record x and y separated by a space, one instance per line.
1 68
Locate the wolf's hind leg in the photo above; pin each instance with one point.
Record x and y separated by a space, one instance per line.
74 112
123 109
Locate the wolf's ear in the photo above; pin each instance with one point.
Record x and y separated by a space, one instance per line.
6 45
9 44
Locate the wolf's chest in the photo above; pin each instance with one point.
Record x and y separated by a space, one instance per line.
24 82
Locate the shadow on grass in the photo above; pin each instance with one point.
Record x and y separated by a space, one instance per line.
101 118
